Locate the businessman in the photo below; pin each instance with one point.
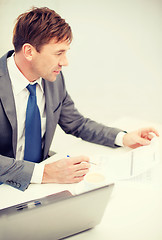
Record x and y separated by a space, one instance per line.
34 99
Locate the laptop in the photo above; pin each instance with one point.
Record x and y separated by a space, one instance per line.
56 216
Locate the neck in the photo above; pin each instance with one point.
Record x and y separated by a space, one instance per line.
24 67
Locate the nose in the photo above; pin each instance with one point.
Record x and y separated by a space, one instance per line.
63 61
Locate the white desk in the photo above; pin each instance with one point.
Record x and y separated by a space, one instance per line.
135 209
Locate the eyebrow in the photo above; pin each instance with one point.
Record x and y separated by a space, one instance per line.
62 50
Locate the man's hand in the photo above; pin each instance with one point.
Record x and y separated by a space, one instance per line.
140 137
67 170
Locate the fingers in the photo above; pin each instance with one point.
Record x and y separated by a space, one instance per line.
78 163
78 179
146 135
153 130
77 173
80 168
79 159
142 141
149 137
147 132
80 173
140 137
67 170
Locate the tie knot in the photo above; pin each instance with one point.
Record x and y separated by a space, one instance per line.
32 89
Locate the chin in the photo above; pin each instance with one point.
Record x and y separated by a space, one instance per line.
52 79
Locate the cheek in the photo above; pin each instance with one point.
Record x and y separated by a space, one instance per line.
45 64
42 65
50 62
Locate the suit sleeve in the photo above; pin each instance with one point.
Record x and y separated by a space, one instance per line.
15 173
72 122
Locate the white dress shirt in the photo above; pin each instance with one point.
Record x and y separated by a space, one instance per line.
21 94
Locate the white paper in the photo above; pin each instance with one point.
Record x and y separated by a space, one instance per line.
137 162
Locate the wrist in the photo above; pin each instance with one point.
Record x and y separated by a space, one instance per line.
49 174
45 178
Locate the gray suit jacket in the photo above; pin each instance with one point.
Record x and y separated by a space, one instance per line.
60 110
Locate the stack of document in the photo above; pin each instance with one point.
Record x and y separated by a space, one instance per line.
135 165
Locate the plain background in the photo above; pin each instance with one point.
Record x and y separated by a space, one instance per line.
114 70
115 58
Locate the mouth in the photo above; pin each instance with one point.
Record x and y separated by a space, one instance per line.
57 72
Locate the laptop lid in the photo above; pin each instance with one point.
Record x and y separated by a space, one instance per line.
55 216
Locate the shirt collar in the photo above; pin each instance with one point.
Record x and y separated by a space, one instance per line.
18 80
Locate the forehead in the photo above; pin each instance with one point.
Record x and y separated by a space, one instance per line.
54 45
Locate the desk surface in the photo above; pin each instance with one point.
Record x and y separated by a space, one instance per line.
134 211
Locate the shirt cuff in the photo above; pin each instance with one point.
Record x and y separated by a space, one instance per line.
119 139
37 173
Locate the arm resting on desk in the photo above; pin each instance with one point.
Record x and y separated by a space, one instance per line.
15 173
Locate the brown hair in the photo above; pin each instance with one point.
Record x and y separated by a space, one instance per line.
38 26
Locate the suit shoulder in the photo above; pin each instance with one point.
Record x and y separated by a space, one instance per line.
3 62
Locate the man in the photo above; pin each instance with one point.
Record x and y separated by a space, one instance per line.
34 99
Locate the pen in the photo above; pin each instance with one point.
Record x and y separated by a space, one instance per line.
93 163
83 161
28 205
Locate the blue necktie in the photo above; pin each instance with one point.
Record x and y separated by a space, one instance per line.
33 141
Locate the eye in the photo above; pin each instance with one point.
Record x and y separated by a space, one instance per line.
58 54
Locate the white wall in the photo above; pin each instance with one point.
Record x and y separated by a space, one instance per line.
115 58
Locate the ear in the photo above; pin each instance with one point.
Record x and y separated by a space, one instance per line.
28 51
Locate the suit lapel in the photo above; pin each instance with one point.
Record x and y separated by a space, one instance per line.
50 123
7 99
